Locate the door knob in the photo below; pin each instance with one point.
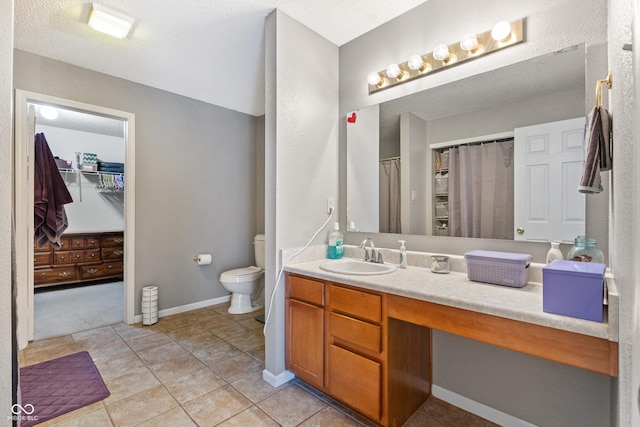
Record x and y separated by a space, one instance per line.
520 230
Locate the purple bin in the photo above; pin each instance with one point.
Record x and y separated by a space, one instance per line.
574 289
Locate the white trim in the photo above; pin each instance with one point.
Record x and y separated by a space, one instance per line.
277 380
471 140
188 307
484 411
24 220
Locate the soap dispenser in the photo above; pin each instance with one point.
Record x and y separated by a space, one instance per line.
403 254
554 252
336 239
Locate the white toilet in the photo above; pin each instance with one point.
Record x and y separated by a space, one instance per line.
243 282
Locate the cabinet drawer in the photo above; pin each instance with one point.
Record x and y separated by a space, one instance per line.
54 275
76 243
112 240
92 255
303 289
67 257
356 332
112 253
357 303
356 381
65 243
37 249
41 258
92 242
103 270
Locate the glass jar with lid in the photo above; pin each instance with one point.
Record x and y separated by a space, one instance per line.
586 250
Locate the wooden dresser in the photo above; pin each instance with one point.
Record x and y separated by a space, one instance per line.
82 257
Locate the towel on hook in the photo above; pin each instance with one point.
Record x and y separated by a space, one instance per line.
597 146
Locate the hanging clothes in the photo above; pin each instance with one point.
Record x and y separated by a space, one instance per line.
50 196
389 188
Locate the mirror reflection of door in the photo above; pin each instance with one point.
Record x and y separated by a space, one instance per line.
79 285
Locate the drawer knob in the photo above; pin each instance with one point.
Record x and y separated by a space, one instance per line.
109 266
93 255
63 274
92 270
78 256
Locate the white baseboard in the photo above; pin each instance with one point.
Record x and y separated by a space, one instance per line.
484 411
277 380
188 307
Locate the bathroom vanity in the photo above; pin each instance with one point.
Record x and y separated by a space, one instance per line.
366 340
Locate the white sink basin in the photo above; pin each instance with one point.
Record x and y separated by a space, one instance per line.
354 266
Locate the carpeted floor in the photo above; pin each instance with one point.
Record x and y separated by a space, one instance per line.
76 309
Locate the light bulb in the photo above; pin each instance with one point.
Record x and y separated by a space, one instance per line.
49 113
394 71
441 52
469 43
374 79
501 31
416 63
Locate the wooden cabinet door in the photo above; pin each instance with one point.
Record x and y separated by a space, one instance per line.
355 380
305 341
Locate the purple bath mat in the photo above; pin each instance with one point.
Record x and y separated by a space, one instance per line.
50 389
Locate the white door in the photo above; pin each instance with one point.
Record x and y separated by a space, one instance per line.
548 166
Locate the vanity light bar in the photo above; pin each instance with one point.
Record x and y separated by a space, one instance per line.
444 56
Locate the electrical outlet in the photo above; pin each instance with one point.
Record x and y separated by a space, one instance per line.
330 205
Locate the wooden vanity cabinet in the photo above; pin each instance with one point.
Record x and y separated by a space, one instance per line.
304 308
356 350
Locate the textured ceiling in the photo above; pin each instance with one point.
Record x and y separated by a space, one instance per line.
185 46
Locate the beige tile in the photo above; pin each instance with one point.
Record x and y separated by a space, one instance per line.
78 413
170 323
141 407
252 325
176 417
255 388
190 330
253 417
237 367
136 330
247 341
114 368
216 353
96 334
196 342
216 406
257 353
49 343
98 418
330 417
130 384
149 341
49 353
110 349
177 367
291 406
420 419
161 353
194 384
443 411
230 331
214 322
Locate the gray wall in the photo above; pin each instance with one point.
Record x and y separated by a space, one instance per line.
195 177
550 26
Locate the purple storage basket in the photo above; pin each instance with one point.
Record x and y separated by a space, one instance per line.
574 289
498 268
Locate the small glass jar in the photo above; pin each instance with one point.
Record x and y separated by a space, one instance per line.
585 250
440 264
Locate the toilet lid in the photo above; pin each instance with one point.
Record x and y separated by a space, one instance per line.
241 274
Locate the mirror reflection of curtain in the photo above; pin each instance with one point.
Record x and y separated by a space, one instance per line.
389 196
481 190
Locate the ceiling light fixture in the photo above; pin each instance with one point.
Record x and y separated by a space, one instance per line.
504 34
109 21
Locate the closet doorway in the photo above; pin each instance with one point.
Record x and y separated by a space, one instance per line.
104 192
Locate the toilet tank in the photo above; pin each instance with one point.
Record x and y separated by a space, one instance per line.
258 247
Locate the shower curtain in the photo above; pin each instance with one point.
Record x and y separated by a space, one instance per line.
389 177
481 190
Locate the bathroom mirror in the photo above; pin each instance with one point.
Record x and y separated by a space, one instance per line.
545 89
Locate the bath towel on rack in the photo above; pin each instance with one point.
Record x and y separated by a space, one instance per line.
597 143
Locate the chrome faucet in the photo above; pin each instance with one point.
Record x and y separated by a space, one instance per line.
371 256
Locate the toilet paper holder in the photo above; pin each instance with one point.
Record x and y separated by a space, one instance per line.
202 259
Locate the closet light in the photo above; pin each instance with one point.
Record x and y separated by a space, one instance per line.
109 21
49 113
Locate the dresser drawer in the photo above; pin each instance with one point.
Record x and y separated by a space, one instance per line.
76 243
106 269
92 242
112 240
42 258
65 243
92 255
363 305
54 275
356 332
303 289
67 257
112 253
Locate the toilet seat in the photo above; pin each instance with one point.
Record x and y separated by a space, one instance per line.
241 275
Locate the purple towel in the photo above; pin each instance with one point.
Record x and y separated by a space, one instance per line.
597 140
50 196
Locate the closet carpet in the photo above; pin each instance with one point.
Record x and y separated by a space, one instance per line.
71 310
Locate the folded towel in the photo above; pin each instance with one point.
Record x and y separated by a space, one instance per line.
597 140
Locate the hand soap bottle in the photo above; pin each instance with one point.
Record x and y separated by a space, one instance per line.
554 252
403 254
335 242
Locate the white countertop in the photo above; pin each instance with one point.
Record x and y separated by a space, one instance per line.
456 290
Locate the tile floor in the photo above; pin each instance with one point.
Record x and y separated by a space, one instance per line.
203 368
